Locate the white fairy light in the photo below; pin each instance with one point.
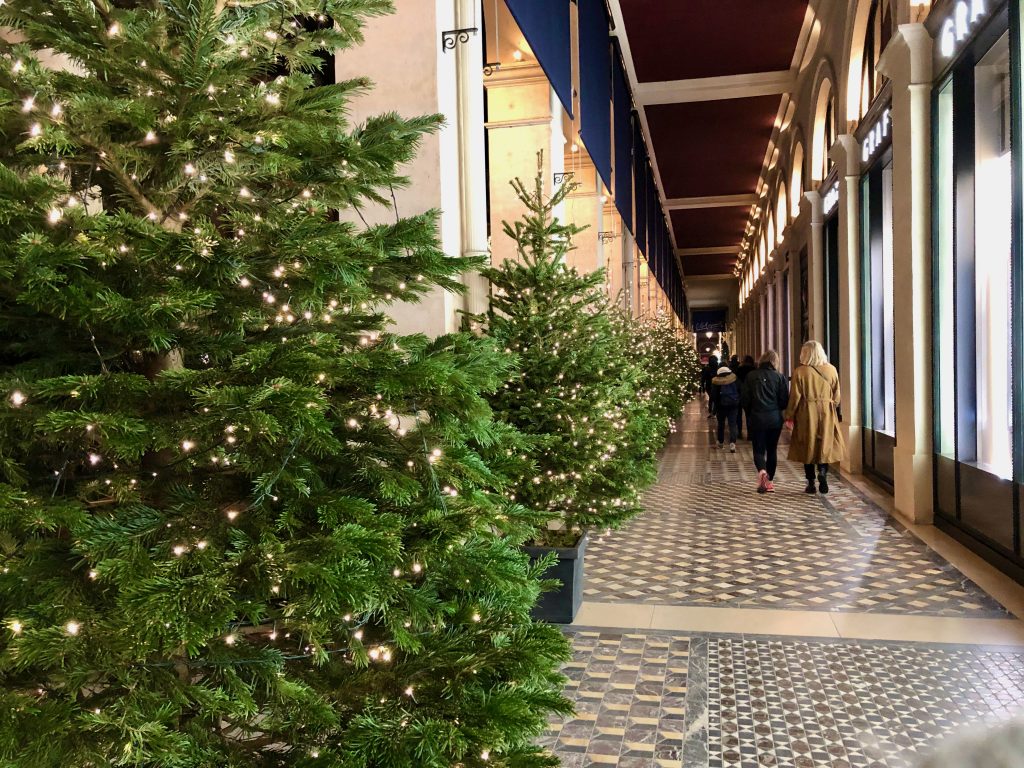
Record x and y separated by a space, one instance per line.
114 30
17 398
229 156
54 215
179 550
35 130
273 99
95 458
150 135
72 628
28 104
16 627
93 575
190 170
244 192
230 639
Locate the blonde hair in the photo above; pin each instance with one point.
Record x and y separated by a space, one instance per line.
772 358
812 353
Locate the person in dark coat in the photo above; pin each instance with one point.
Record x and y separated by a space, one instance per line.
705 382
741 371
765 397
725 392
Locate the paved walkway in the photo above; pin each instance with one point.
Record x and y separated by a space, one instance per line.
724 628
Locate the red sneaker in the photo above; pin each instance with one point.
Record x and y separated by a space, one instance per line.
769 486
762 483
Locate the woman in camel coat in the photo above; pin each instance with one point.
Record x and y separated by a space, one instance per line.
813 410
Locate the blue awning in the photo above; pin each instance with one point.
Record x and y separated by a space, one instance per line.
596 85
545 25
640 188
623 125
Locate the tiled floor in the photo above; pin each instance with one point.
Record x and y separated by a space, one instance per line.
670 699
740 630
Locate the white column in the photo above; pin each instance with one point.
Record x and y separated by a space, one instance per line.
908 63
472 152
556 147
816 267
847 157
628 292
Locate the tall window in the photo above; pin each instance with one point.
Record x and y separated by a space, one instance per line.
945 362
879 328
993 185
879 32
829 134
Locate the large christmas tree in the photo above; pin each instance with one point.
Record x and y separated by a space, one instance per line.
576 393
241 524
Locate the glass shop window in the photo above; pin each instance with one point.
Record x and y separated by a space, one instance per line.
945 362
993 187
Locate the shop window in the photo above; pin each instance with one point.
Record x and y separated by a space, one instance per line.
993 184
879 327
829 132
945 363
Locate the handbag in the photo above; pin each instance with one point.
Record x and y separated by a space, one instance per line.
839 407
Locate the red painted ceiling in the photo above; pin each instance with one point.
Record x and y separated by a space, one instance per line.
707 148
683 39
710 227
706 265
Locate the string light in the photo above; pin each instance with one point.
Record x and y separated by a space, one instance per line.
28 104
17 398
72 628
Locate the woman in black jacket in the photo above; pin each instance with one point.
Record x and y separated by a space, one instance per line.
765 397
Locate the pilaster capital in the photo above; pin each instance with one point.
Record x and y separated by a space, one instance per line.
846 154
817 205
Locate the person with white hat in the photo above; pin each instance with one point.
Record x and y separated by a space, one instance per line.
725 394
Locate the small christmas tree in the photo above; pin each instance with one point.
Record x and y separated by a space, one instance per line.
576 390
671 369
240 523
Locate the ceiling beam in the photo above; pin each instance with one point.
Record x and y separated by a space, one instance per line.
726 250
718 201
716 88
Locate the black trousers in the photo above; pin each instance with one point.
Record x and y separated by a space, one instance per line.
766 449
727 413
810 469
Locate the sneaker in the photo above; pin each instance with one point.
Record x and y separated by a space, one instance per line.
762 483
721 446
811 487
732 447
769 487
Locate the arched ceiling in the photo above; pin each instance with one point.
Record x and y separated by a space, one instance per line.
712 80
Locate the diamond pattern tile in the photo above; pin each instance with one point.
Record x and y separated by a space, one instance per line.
708 539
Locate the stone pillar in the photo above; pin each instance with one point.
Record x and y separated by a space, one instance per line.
472 152
847 157
628 262
816 266
908 63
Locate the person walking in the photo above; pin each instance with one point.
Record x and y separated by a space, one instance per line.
742 371
765 396
814 411
725 392
705 382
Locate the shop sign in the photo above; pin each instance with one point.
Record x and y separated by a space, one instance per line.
958 27
831 199
877 136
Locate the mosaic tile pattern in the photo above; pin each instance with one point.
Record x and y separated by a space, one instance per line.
661 700
810 704
707 539
630 694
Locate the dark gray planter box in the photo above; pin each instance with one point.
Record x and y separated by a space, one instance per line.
560 605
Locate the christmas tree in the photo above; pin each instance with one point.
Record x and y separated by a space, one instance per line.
671 368
241 524
576 391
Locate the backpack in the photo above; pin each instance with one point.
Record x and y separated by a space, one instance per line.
729 394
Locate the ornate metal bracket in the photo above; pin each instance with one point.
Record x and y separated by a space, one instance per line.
452 37
607 237
563 178
491 67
